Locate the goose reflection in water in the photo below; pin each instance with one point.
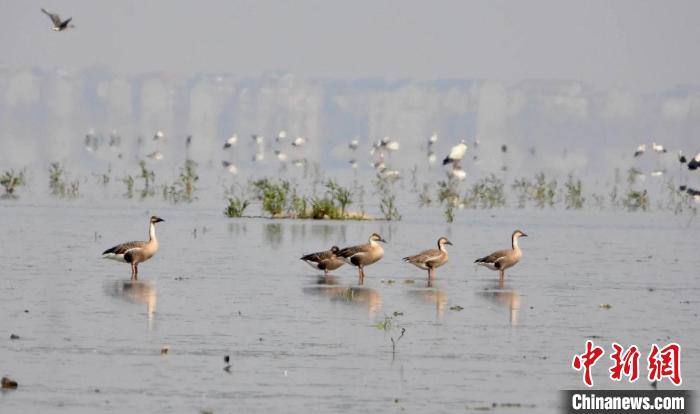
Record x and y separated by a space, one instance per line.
138 292
356 295
507 298
431 295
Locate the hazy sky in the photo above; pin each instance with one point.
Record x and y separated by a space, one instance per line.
642 45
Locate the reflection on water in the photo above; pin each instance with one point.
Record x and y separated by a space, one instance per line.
357 295
508 298
237 228
135 292
273 234
432 295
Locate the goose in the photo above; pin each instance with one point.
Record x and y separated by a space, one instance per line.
658 148
325 260
430 259
456 153
58 25
136 252
504 259
231 141
640 150
364 254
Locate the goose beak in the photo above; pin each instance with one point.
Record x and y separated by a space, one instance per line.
449 242
158 219
523 235
383 241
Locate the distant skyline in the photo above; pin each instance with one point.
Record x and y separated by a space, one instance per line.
637 45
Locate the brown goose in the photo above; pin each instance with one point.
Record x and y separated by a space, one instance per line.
136 252
58 25
431 259
503 259
326 260
363 254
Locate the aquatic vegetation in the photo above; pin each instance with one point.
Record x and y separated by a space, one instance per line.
236 207
188 176
521 188
324 208
573 198
390 325
11 181
274 195
448 196
636 200
148 177
487 192
341 195
129 183
57 184
383 187
543 191
424 196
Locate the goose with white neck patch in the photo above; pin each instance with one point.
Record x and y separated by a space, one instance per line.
363 254
431 259
504 259
136 252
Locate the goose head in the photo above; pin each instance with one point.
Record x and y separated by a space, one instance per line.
518 233
156 219
442 241
376 238
335 249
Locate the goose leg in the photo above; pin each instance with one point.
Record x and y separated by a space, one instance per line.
502 274
362 274
133 271
136 268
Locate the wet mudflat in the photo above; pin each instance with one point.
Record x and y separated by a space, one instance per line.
91 341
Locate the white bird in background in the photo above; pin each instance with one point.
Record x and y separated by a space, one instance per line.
281 136
299 141
658 148
354 144
432 139
156 156
694 164
259 157
391 174
456 153
300 162
231 141
281 155
640 150
230 167
159 135
657 173
353 163
379 164
259 139
432 157
389 144
58 25
458 173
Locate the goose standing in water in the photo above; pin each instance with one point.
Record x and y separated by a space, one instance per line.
504 259
431 259
326 260
58 25
136 252
363 254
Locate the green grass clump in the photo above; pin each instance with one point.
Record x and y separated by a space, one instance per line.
10 181
486 193
573 198
236 207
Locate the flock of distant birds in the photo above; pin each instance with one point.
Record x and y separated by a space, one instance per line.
360 256
692 164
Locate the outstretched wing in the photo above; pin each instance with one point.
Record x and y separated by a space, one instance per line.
55 18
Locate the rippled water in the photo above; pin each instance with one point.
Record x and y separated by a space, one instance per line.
90 340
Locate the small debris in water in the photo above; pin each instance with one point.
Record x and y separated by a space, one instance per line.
96 390
532 307
390 281
409 281
605 306
227 368
26 311
13 336
651 289
164 350
9 384
456 308
260 339
396 400
397 313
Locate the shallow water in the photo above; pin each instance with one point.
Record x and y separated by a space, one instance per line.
90 340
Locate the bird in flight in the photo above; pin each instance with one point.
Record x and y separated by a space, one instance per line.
58 25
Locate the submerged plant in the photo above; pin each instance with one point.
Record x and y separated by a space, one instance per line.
10 180
486 193
383 186
574 196
236 207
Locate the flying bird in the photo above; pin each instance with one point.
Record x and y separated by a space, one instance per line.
58 25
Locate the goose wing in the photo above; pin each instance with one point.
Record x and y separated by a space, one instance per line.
318 256
493 257
125 247
423 257
55 18
349 252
